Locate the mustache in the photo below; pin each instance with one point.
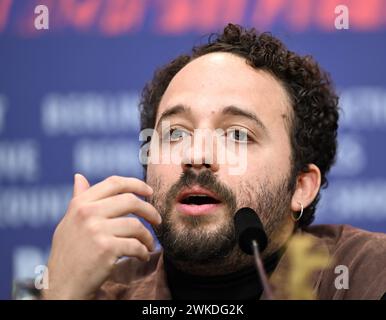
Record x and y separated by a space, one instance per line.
205 179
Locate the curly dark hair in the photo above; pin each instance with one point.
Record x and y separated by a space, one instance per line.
314 123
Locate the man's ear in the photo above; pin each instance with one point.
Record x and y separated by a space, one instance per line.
307 187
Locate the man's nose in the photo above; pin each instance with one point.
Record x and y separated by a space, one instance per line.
201 157
199 166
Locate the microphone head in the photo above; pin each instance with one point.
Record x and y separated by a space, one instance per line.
248 227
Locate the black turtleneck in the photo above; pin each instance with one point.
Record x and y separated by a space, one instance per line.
241 285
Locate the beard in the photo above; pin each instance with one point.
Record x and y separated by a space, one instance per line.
197 244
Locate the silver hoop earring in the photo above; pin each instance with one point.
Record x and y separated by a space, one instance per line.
299 216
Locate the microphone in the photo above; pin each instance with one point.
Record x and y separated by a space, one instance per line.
252 239
248 228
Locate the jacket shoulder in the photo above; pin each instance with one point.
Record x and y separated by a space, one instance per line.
364 255
127 276
350 240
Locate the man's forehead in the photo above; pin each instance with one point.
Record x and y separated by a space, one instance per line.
215 80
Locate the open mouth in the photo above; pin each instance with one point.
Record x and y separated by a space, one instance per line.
197 201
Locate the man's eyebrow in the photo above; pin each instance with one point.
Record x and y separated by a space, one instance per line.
236 111
175 110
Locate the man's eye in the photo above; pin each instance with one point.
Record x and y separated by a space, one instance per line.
176 134
240 135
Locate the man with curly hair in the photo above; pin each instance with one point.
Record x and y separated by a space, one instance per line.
280 109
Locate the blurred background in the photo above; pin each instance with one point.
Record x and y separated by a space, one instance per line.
69 93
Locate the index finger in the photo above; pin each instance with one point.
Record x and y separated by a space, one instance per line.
115 185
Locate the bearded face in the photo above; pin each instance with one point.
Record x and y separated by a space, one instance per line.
197 198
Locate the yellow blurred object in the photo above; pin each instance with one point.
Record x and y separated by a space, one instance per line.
304 259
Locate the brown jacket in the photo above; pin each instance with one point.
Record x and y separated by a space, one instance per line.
364 253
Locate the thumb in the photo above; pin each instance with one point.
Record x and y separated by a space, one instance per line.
80 184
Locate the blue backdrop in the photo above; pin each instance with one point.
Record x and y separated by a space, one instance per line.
68 98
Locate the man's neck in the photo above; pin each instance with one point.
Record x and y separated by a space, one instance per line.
216 280
234 262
